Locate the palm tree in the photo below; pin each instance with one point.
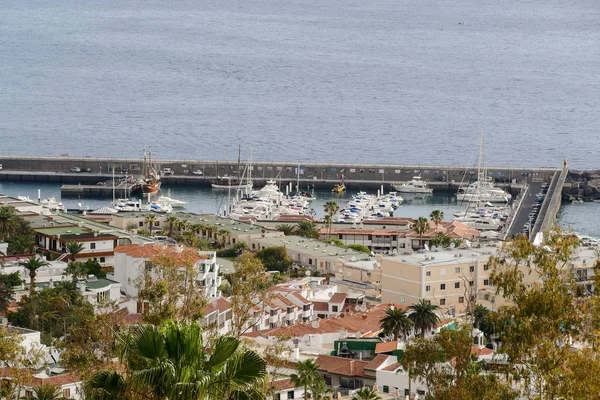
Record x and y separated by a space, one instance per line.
423 315
366 393
307 229
45 392
436 216
21 244
396 323
172 221
75 269
74 248
319 389
151 221
421 226
33 264
306 372
173 362
479 314
331 208
8 221
287 229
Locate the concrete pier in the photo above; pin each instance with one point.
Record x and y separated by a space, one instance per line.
320 175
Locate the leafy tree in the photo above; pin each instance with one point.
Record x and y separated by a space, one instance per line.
423 315
335 242
168 287
174 362
305 376
437 216
331 208
307 229
249 284
275 258
74 248
287 229
479 314
366 393
396 323
233 251
7 292
359 247
421 226
131 226
32 265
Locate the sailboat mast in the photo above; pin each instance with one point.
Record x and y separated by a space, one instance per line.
298 180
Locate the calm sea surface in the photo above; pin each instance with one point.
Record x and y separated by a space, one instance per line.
373 81
390 81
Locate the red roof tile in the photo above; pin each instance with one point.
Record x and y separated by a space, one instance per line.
386 347
338 298
320 306
392 367
376 362
482 352
283 384
341 366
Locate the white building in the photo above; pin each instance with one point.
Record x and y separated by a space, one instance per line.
132 260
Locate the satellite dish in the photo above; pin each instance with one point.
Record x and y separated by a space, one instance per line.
330 294
452 245
306 339
307 273
315 324
426 247
468 244
363 308
434 248
357 308
353 259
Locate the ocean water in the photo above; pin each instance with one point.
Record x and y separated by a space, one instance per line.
391 81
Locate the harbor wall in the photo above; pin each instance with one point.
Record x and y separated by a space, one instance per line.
319 175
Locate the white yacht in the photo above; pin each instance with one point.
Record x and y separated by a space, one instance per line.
416 185
174 203
483 190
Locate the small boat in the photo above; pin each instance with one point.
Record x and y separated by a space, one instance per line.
339 188
227 182
414 186
174 203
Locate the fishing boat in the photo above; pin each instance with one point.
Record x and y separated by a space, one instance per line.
150 180
229 182
416 185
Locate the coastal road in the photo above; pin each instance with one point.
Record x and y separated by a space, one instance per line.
522 215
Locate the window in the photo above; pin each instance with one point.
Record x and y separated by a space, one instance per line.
290 394
442 302
141 224
334 308
290 310
461 300
456 285
306 307
457 270
486 267
102 259
310 261
486 282
272 313
386 389
470 283
272 325
67 393
427 288
427 273
443 271
148 265
472 268
157 223
253 246
443 286
92 246
278 396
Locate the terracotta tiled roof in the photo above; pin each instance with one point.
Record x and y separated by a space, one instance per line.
338 298
32 381
443 322
389 221
283 384
392 367
153 250
300 297
376 362
133 318
320 306
285 301
366 323
455 229
341 366
386 347
482 352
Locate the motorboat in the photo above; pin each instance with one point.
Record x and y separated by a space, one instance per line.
416 185
229 182
174 203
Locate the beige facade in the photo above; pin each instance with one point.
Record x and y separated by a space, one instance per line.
448 278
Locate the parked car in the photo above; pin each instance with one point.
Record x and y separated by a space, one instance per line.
87 170
197 172
75 169
166 171
0 167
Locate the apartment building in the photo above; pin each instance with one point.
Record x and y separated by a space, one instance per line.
448 278
132 260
